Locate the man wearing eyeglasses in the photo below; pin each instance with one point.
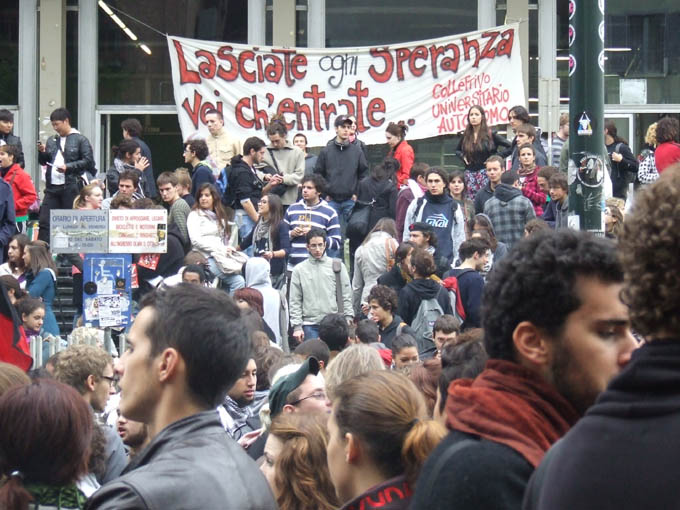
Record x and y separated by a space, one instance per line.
89 370
300 391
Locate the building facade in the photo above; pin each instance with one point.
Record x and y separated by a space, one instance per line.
106 61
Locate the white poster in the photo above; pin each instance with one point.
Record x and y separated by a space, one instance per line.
138 231
430 85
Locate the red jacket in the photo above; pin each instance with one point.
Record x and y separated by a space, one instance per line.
533 192
666 154
405 155
22 189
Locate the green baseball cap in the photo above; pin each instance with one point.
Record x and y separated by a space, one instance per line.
288 383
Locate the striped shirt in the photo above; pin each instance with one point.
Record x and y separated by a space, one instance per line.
321 216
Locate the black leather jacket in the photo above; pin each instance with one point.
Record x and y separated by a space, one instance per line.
77 156
192 463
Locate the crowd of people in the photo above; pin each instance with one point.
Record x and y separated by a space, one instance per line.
321 334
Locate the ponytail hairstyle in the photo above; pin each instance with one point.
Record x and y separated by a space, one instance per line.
277 126
387 414
301 476
398 129
613 132
47 413
470 145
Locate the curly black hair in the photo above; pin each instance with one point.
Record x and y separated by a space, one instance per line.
385 296
649 250
535 282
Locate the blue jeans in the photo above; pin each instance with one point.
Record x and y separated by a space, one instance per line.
311 332
230 282
245 226
344 210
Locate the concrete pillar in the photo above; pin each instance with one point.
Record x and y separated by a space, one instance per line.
52 74
256 22
518 12
548 83
486 14
283 31
87 71
316 24
26 123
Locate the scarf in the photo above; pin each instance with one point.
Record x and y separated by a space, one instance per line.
262 230
59 497
415 188
523 172
510 405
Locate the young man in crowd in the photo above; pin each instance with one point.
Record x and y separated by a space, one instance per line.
195 154
316 348
184 186
286 159
445 330
559 138
68 155
509 210
494 169
404 351
557 211
193 273
342 164
474 254
437 209
423 236
623 453
526 133
546 366
135 435
187 348
413 188
178 209
382 301
313 289
89 370
334 332
128 184
7 137
221 145
241 408
132 130
311 212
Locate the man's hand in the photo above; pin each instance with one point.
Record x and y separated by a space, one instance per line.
61 169
616 157
142 164
299 336
41 147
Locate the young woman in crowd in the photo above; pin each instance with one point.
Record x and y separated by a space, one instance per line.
23 190
270 236
624 165
400 274
458 190
400 149
214 235
251 299
476 145
295 463
90 197
374 257
667 137
613 222
32 313
380 435
528 177
425 376
41 281
14 290
15 259
42 463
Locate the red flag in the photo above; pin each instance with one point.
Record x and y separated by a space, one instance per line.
13 344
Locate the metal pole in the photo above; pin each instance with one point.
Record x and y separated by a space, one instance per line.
586 114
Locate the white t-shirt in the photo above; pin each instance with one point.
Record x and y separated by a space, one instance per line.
57 176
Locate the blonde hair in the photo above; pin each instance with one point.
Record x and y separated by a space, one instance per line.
650 137
387 414
356 360
84 193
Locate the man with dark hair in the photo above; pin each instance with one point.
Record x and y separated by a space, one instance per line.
241 408
310 212
382 302
494 169
313 289
89 370
422 235
557 211
333 330
128 185
245 188
509 210
186 349
316 348
437 209
285 159
132 130
222 145
195 154
413 188
367 332
445 330
193 273
547 364
68 155
7 137
178 209
128 159
343 164
622 453
474 254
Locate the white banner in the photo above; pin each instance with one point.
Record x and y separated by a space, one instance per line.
428 84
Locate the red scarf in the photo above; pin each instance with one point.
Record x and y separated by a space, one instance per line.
511 405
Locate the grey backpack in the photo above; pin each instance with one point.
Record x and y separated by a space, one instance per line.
428 312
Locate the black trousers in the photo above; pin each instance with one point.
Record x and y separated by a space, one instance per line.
56 197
